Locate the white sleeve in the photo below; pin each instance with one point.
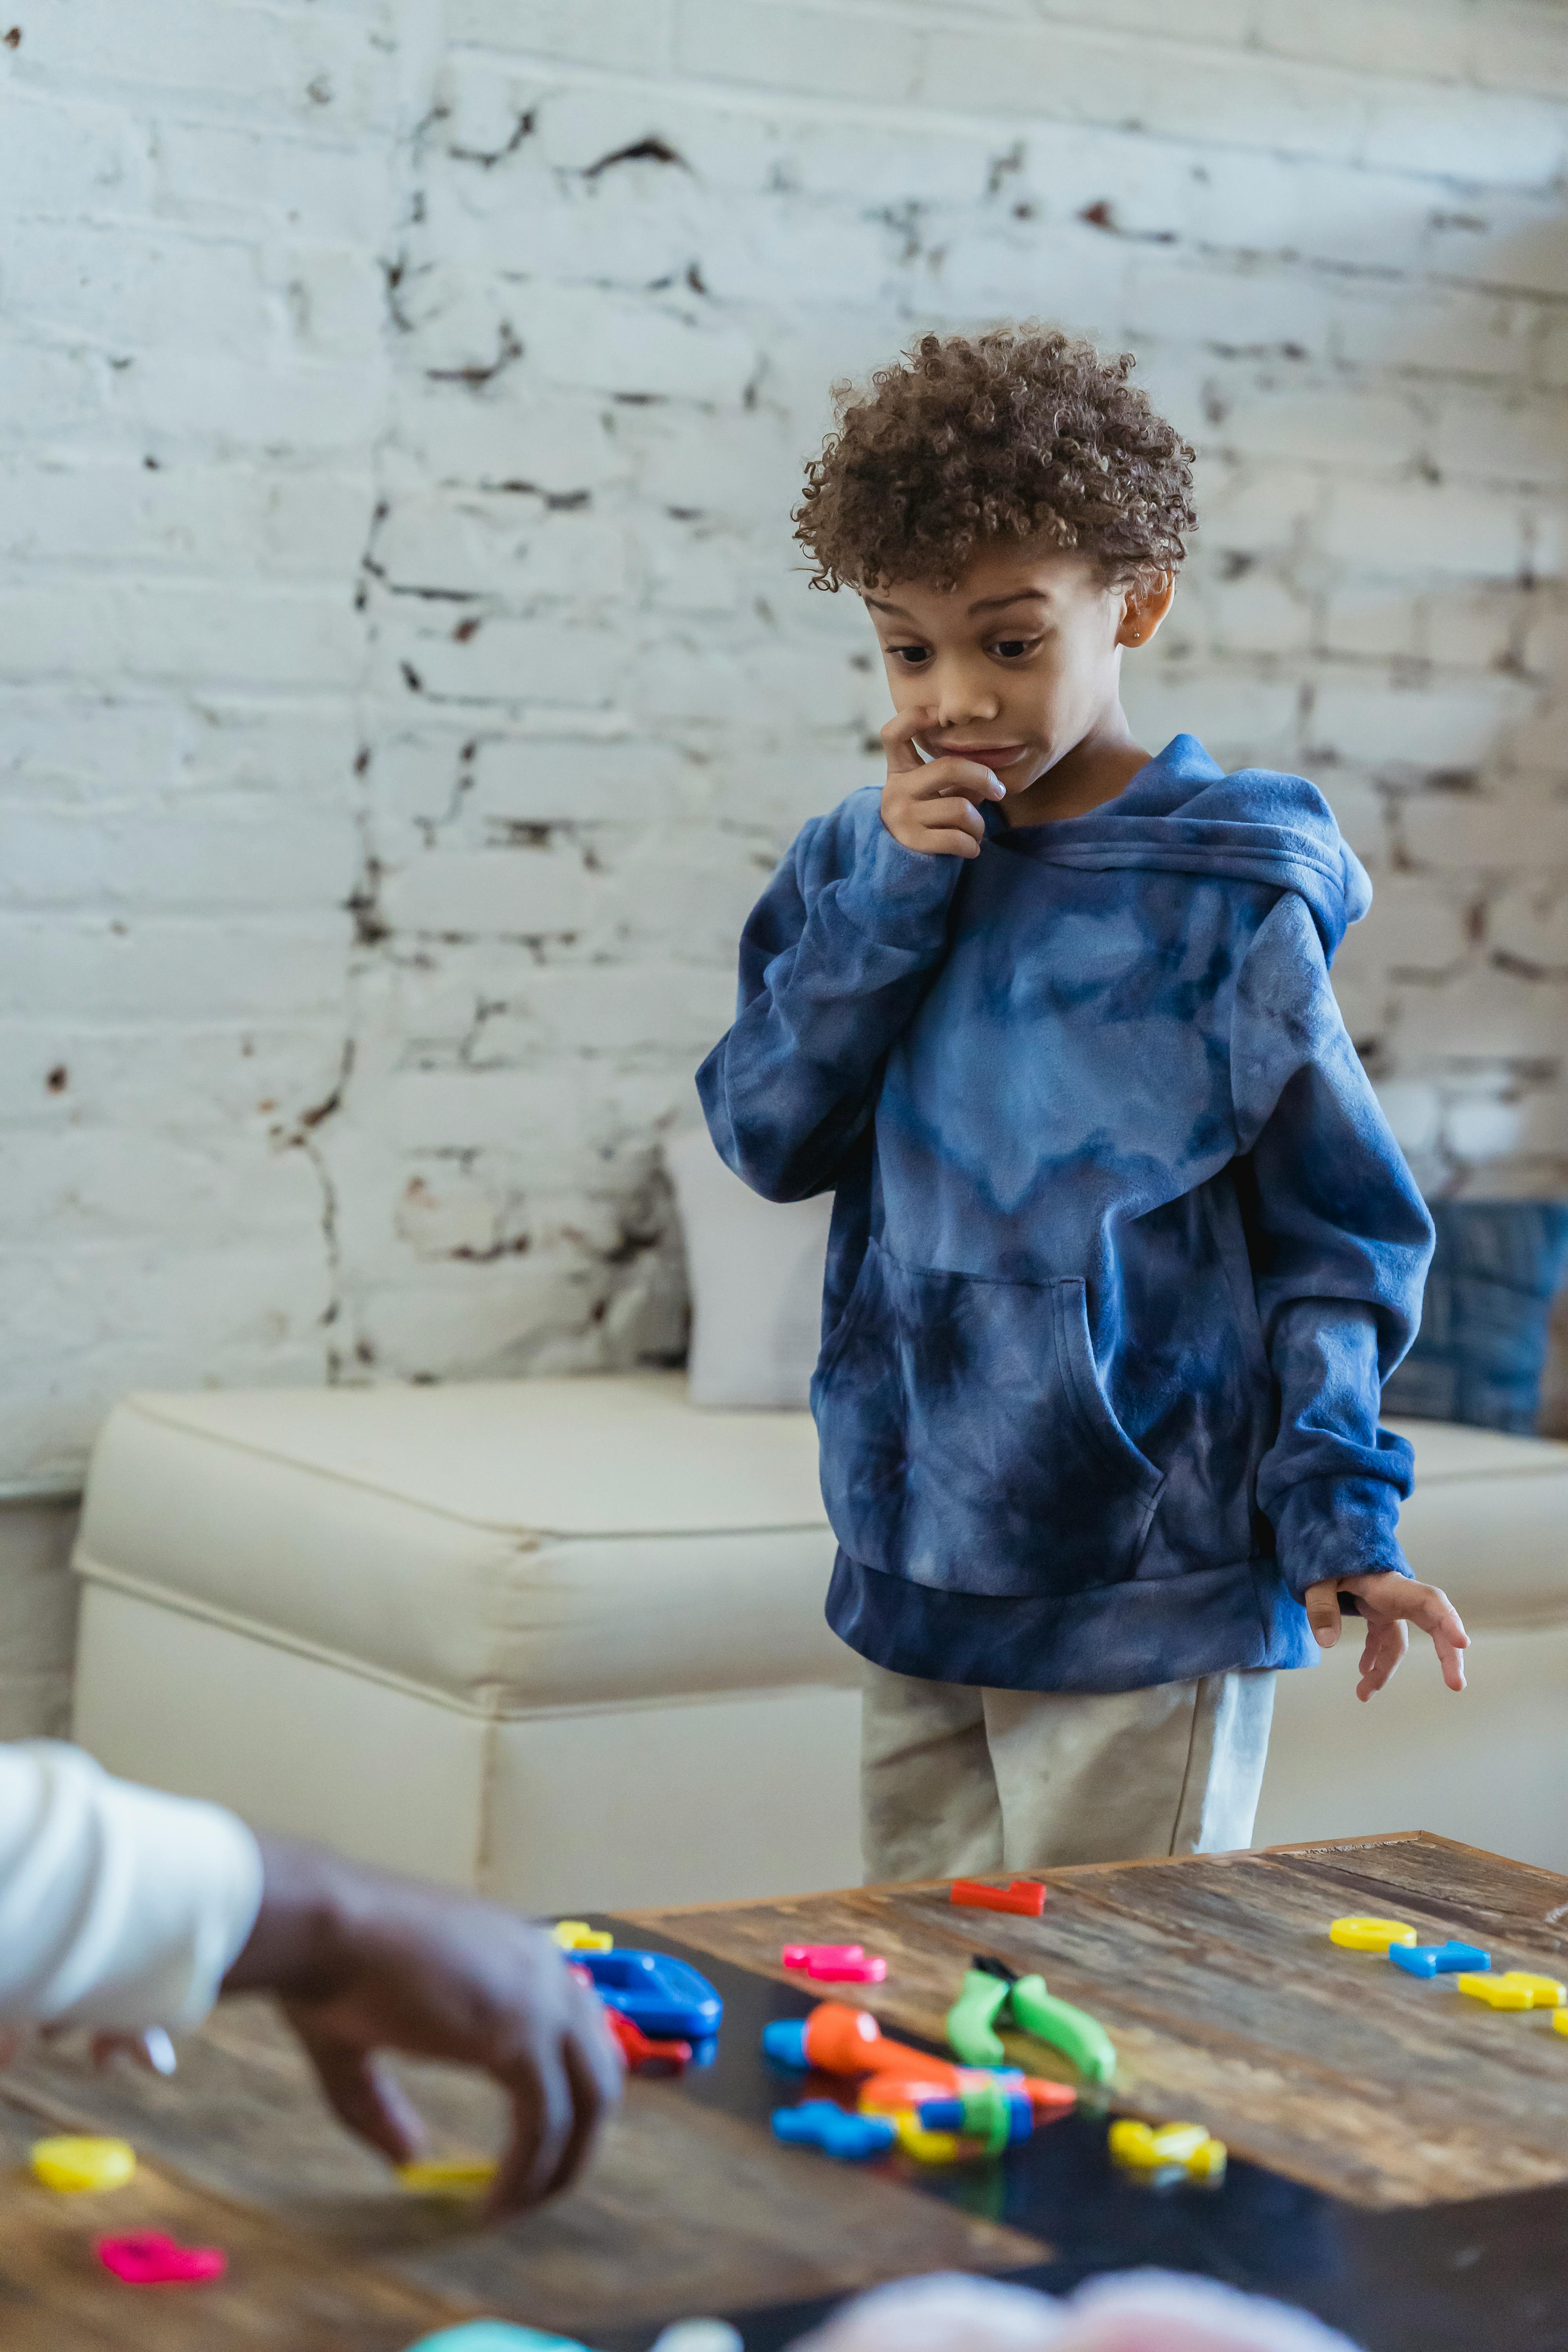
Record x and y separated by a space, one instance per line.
119 1907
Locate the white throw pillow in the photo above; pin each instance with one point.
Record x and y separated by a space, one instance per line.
754 1269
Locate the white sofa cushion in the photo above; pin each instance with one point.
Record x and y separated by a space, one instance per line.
553 1542
514 1545
1488 1521
754 1271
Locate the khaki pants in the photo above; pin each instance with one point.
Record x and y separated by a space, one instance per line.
956 1781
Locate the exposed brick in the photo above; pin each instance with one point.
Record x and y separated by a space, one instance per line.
408 677
1238 717
635 33
1394 530
164 969
825 52
1417 926
319 66
186 517
1529 926
241 175
515 894
1376 620
279 856
177 629
1444 728
1458 134
1323 422
1487 833
62 158
120 288
1468 1016
1429 38
1516 440
1519 47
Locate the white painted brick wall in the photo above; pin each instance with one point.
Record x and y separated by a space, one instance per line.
407 679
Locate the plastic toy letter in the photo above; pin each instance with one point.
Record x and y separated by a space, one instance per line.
665 1998
972 2033
73 2165
449 2176
576 1936
1150 2148
1515 1989
821 2123
1358 1935
1438 1959
1023 1896
835 1963
1073 2031
148 2258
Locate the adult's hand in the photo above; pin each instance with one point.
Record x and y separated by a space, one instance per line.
1390 1604
364 1962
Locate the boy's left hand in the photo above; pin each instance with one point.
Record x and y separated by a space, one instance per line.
1390 1602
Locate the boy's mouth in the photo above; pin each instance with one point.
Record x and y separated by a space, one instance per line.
990 755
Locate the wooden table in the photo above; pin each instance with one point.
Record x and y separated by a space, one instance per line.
1399 2153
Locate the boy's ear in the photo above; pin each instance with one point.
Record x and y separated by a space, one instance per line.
1143 609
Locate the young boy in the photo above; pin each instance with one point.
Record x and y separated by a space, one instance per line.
1122 1246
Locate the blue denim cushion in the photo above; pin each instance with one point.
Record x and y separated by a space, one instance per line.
1482 1343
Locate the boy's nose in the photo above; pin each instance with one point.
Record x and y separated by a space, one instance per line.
961 700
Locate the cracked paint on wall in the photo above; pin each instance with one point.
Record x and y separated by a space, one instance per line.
407 675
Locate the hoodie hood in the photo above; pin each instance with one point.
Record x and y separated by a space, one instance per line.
1183 815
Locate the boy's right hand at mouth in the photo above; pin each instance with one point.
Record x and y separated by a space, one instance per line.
1388 1603
929 805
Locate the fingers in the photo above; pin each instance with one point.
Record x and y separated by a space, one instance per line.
1436 1614
929 805
595 2093
901 741
151 2049
363 2095
932 808
1385 1595
1386 1642
943 829
544 2117
1322 1602
899 737
947 780
560 2099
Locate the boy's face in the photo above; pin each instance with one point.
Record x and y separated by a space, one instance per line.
1018 664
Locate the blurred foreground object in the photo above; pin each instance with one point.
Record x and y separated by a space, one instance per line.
1147 2311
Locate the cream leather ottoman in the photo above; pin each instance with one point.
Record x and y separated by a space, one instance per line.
561 1640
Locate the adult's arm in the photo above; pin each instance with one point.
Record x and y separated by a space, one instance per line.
120 1907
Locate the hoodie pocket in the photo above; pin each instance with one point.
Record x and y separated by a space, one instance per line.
967 1441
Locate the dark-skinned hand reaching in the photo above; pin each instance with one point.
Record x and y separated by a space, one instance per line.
364 1962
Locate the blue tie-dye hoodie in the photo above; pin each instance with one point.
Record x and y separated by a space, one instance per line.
1122 1246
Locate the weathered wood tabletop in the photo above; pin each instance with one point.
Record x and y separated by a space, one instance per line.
1229 2006
1228 2003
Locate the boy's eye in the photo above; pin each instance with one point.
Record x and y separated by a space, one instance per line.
1013 648
912 657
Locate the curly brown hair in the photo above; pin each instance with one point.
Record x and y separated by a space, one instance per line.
1021 434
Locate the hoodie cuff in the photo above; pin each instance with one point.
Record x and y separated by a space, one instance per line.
1338 1527
898 895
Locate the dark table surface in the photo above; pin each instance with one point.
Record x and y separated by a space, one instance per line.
1399 2154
